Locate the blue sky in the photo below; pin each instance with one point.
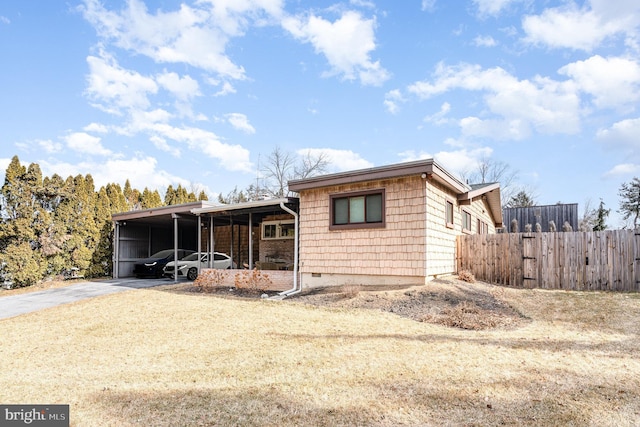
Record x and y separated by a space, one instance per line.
199 93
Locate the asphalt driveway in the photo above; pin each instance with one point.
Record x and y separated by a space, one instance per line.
16 305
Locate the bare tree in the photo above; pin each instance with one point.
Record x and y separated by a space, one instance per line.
489 170
311 165
277 171
282 166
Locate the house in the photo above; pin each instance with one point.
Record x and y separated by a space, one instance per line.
388 225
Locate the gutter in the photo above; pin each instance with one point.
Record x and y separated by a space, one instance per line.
295 289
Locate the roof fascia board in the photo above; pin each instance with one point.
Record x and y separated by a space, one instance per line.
419 167
162 210
470 195
243 206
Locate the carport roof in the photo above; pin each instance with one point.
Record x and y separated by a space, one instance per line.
162 214
258 206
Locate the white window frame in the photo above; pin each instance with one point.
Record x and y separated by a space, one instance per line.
278 224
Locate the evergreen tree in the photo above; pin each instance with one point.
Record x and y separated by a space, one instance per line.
178 196
150 199
202 197
132 196
600 223
170 196
117 200
24 221
101 260
232 197
630 203
520 200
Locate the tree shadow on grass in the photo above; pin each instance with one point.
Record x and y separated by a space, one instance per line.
532 399
223 407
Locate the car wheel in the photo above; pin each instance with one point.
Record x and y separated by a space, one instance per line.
192 274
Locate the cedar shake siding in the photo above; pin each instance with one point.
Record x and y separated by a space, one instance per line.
411 245
393 254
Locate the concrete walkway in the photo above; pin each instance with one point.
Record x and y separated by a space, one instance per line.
16 305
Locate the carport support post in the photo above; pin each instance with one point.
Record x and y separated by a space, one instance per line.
116 251
175 246
231 248
199 243
212 242
250 242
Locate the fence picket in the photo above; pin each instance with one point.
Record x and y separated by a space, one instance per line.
603 260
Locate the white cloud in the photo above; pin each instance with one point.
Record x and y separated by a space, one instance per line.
517 106
484 41
623 169
439 118
625 133
458 161
492 7
141 172
231 157
428 5
87 144
392 99
582 28
346 43
191 35
183 88
162 145
241 122
96 127
49 146
4 20
115 88
227 88
613 82
339 160
412 155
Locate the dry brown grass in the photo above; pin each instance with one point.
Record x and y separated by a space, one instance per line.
158 358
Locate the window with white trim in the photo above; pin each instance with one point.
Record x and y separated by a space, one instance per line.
283 229
466 221
448 213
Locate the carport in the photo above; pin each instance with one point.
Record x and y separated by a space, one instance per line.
204 227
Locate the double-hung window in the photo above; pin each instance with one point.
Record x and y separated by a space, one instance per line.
448 213
466 221
358 210
284 229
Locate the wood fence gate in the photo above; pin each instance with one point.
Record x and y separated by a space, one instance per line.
600 260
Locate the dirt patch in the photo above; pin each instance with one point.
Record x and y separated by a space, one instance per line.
446 301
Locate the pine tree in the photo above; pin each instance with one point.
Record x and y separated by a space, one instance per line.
520 200
150 199
630 203
600 223
24 221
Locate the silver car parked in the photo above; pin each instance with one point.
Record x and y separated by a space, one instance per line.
188 266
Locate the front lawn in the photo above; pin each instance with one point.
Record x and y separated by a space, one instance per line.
157 357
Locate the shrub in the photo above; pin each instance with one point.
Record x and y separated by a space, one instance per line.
466 276
350 290
208 280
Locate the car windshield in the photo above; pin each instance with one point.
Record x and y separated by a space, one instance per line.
191 257
162 254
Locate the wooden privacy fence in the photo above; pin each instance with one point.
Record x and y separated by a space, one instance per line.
600 260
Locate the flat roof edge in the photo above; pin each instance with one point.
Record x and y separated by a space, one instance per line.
418 167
